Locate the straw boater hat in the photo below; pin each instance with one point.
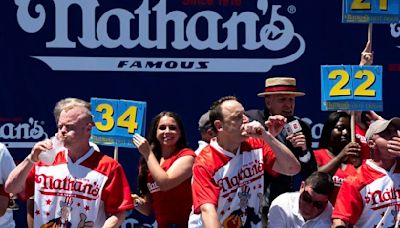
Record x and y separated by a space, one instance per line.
280 85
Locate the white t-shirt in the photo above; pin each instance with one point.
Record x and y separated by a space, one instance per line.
234 183
6 166
284 212
202 144
82 192
370 198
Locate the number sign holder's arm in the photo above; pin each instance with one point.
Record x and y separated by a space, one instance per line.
366 58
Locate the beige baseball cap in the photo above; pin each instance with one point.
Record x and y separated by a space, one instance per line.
380 125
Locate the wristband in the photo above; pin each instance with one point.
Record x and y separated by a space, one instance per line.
29 158
305 158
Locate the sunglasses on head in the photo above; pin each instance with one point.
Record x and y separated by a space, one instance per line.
306 197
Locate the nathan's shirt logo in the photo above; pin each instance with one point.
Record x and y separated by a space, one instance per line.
80 188
244 175
380 199
151 26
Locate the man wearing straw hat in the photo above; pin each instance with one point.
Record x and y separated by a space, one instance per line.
279 96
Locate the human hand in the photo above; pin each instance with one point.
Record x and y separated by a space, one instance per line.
352 149
142 144
394 145
39 147
298 140
253 129
373 116
367 56
137 200
275 124
83 223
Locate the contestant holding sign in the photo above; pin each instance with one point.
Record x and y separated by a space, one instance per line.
81 187
336 154
165 172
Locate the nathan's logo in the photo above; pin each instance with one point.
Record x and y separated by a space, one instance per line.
153 187
380 199
150 26
246 174
80 188
12 132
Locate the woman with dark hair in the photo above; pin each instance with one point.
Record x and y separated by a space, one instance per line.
165 172
336 154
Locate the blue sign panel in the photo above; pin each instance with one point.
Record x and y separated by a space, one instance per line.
348 87
117 120
371 11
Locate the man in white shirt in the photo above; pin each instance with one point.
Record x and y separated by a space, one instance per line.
307 208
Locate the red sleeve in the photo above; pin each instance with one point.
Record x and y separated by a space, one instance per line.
186 152
349 203
319 157
204 189
117 193
269 159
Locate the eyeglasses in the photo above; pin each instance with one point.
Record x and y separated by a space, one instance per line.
306 197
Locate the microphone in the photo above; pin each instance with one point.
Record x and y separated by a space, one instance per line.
292 127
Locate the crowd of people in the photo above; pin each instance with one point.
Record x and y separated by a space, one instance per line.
248 171
252 168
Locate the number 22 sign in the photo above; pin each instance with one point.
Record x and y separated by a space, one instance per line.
351 87
116 121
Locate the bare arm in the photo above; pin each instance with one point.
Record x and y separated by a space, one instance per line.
16 180
209 216
338 223
29 212
351 149
179 171
115 220
142 204
286 163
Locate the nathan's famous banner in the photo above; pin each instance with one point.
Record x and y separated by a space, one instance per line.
175 55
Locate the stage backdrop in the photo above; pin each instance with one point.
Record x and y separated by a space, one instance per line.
174 55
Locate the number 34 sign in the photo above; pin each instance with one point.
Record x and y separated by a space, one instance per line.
351 87
116 121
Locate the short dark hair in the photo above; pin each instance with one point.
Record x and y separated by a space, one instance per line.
216 110
320 182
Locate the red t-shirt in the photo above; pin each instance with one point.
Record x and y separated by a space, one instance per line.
172 206
323 157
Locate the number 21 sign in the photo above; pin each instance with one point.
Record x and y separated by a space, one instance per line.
117 120
351 87
371 11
